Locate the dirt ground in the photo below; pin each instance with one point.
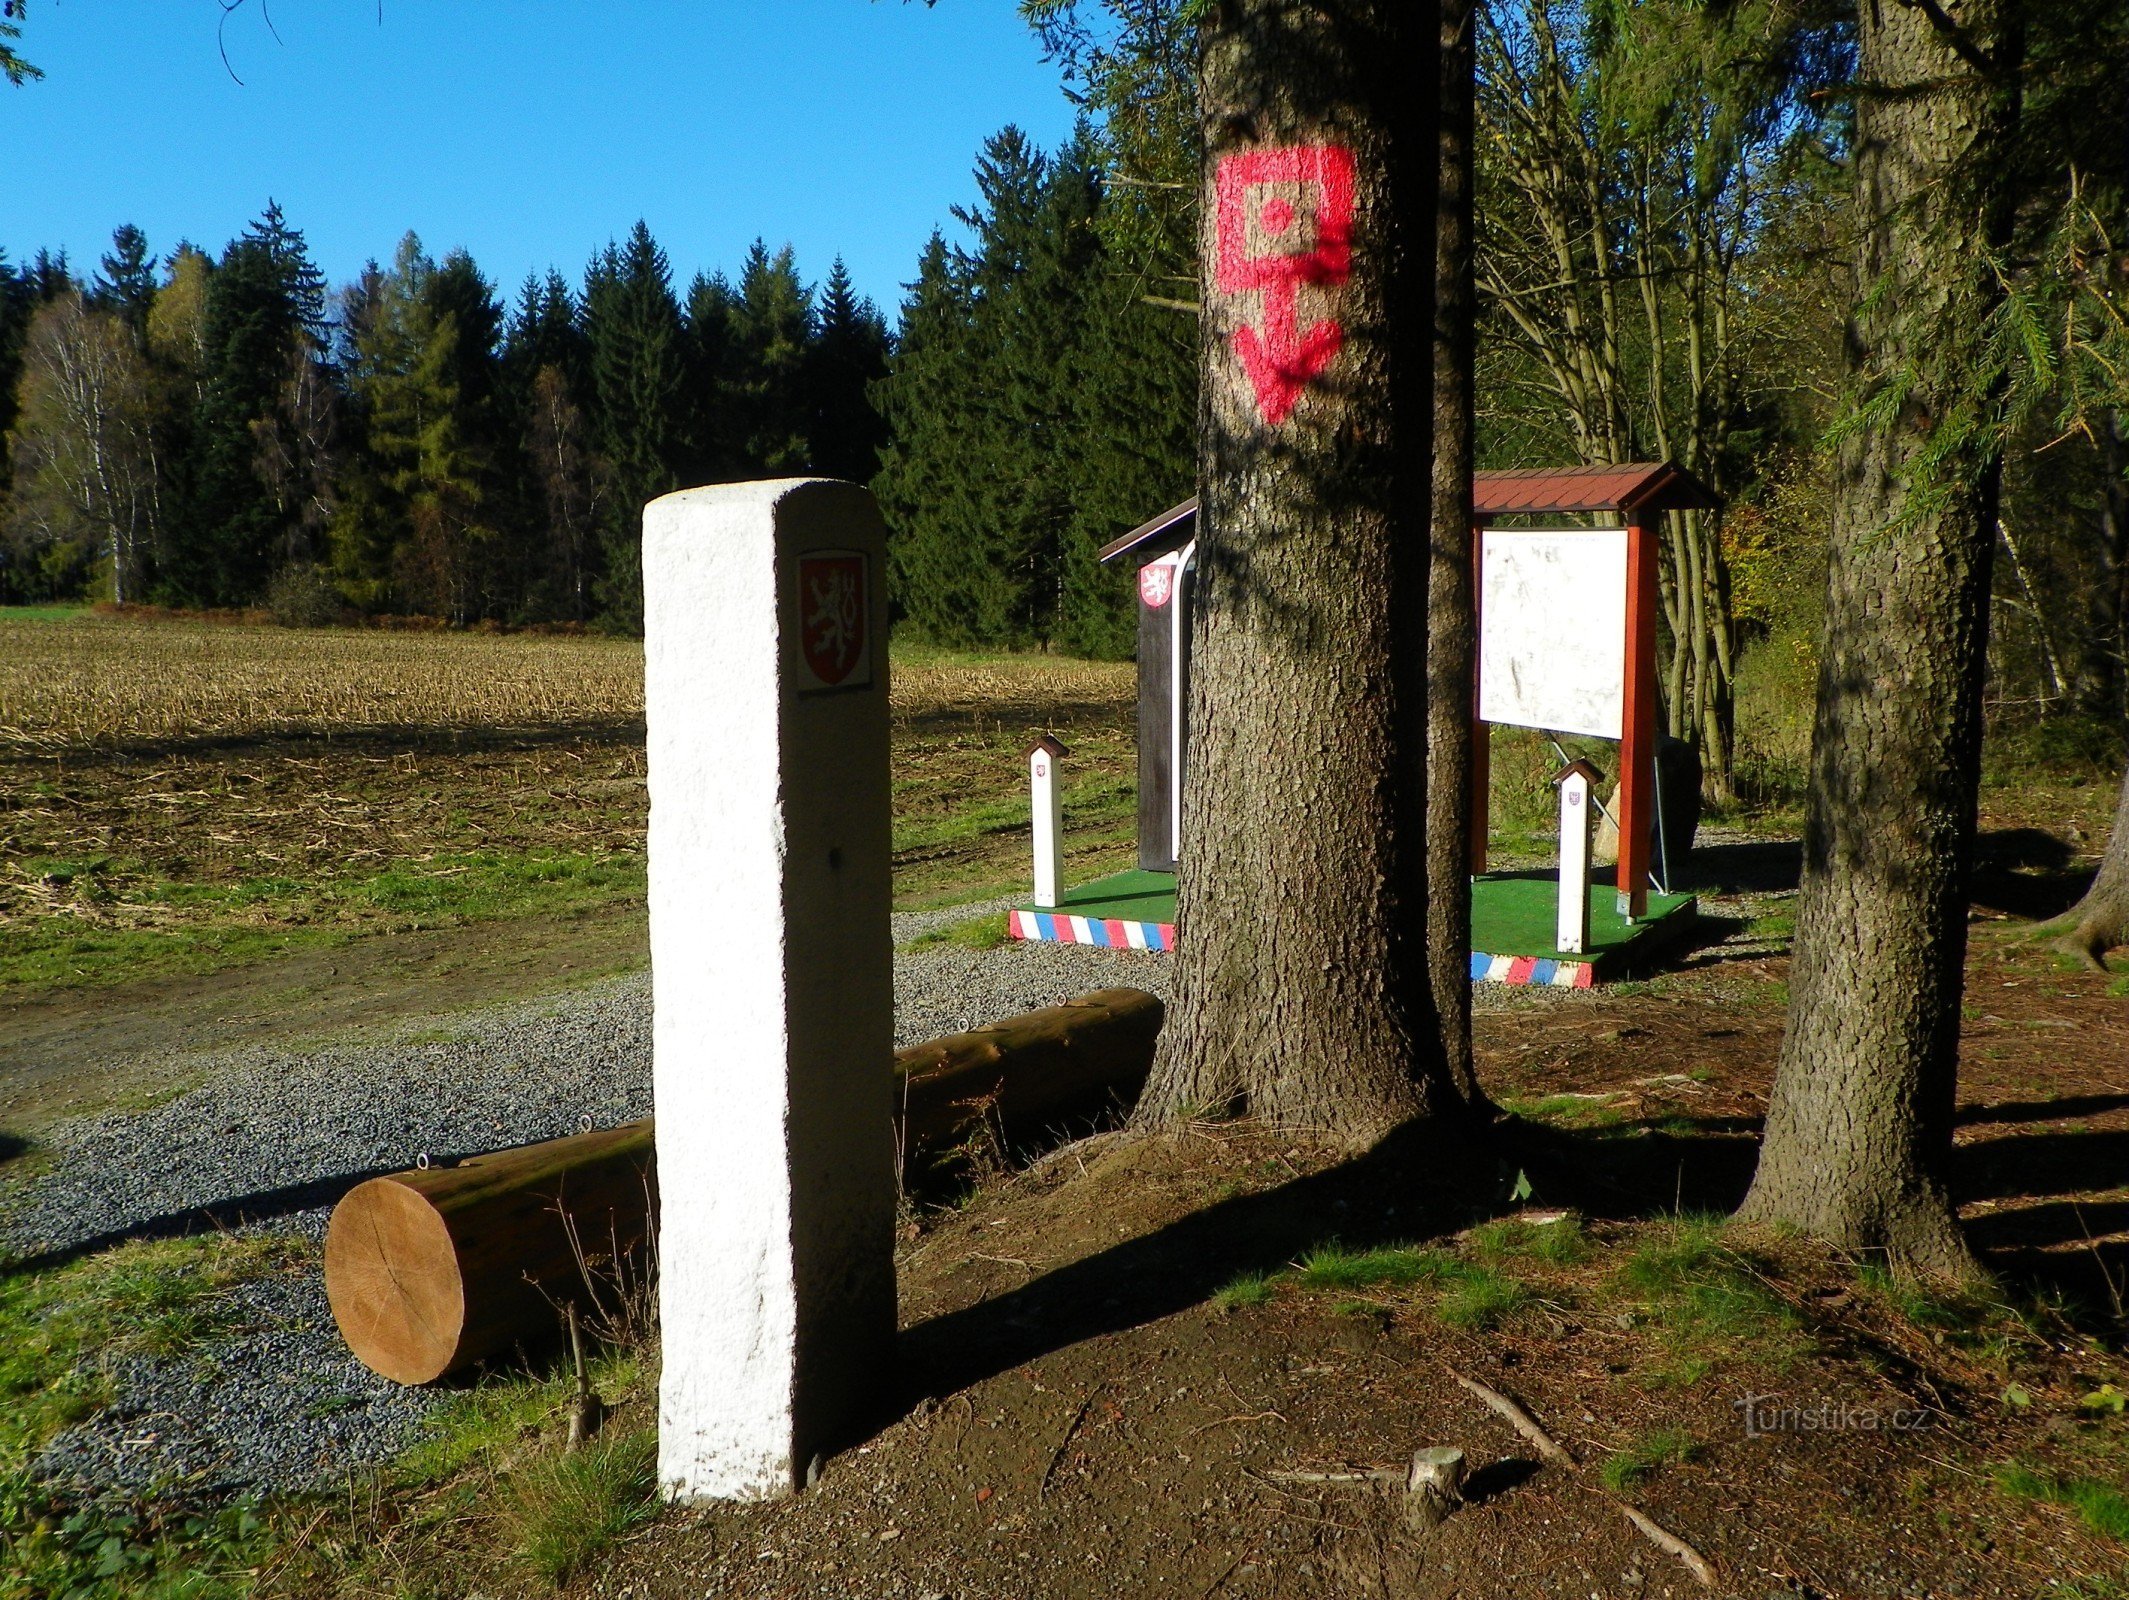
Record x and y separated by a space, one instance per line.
1079 1416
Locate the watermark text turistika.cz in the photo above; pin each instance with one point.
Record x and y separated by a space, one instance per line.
1773 1413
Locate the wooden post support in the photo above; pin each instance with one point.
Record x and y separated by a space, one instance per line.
1048 810
1637 741
1576 782
1481 735
772 975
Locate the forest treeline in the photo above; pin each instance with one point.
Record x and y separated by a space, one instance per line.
227 431
1664 244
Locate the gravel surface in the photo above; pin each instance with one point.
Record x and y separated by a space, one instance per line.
275 1133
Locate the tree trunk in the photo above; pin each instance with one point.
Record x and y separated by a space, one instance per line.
2100 921
1859 1126
1452 619
1304 993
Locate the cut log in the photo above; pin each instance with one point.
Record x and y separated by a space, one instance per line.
431 1271
1028 1074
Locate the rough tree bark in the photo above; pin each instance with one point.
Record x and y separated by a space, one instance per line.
1859 1126
1452 620
2100 921
1304 993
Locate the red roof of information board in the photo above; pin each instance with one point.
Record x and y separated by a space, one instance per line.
1645 486
1637 486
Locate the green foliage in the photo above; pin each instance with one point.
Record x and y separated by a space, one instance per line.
1560 1243
1332 1266
565 1511
17 70
1250 1289
1642 1458
1037 407
2101 1506
1481 1298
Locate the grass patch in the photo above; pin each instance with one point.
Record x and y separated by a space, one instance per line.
1481 1298
160 1298
1706 1299
60 1330
124 921
2100 1505
1560 1243
1250 1289
978 933
1472 1297
1572 1110
564 1511
1333 1267
1645 1456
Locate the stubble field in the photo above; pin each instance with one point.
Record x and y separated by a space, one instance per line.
178 796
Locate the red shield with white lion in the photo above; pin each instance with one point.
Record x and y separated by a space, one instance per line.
1156 582
834 612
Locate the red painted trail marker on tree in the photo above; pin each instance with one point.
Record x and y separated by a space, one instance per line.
1267 247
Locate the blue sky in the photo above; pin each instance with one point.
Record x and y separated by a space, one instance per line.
527 131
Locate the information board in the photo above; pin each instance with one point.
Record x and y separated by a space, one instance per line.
1552 629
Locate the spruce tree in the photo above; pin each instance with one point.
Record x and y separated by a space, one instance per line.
923 400
974 401
848 356
1132 379
18 303
546 381
484 528
639 380
545 331
125 280
716 443
771 328
265 307
415 529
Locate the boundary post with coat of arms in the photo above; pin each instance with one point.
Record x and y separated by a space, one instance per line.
772 972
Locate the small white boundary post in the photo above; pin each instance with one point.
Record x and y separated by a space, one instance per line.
1574 780
772 973
1048 813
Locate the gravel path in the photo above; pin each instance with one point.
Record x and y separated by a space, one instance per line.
275 1133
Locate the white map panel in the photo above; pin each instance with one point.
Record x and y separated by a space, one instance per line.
1552 630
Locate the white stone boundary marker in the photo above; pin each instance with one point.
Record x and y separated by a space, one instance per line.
772 970
1574 780
1048 818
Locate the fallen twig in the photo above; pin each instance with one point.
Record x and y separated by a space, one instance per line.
1057 1455
1663 1539
1519 1419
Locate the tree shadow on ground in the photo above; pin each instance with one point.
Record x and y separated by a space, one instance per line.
12 1148
1423 1182
369 739
1419 1183
262 1205
1752 866
2026 872
2021 872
